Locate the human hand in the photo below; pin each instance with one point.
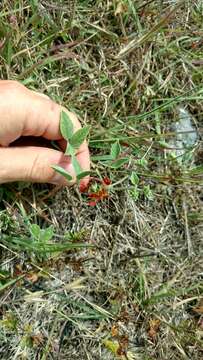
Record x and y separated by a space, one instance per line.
27 113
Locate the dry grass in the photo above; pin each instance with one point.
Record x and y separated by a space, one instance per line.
139 288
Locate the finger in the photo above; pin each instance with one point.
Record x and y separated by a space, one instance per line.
33 164
25 112
43 118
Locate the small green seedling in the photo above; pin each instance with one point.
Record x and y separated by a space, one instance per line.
74 141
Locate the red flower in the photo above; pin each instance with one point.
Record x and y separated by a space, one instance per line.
106 181
98 196
83 187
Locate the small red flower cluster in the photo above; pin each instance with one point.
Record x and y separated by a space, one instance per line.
99 195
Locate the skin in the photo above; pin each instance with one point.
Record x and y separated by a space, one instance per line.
27 113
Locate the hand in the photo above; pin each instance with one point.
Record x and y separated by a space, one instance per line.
27 113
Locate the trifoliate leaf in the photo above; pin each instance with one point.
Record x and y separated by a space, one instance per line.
62 172
79 137
66 126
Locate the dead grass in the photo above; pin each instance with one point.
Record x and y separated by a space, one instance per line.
138 291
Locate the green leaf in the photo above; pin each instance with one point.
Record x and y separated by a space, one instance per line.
135 193
66 126
118 163
62 172
115 150
76 165
35 231
134 178
70 150
83 174
101 157
79 137
46 234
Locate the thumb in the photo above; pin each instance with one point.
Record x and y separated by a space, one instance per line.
33 164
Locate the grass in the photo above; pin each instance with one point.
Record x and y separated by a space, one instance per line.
122 279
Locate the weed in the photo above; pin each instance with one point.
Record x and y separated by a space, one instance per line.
74 141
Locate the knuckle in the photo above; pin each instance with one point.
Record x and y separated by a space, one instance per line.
40 169
34 170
